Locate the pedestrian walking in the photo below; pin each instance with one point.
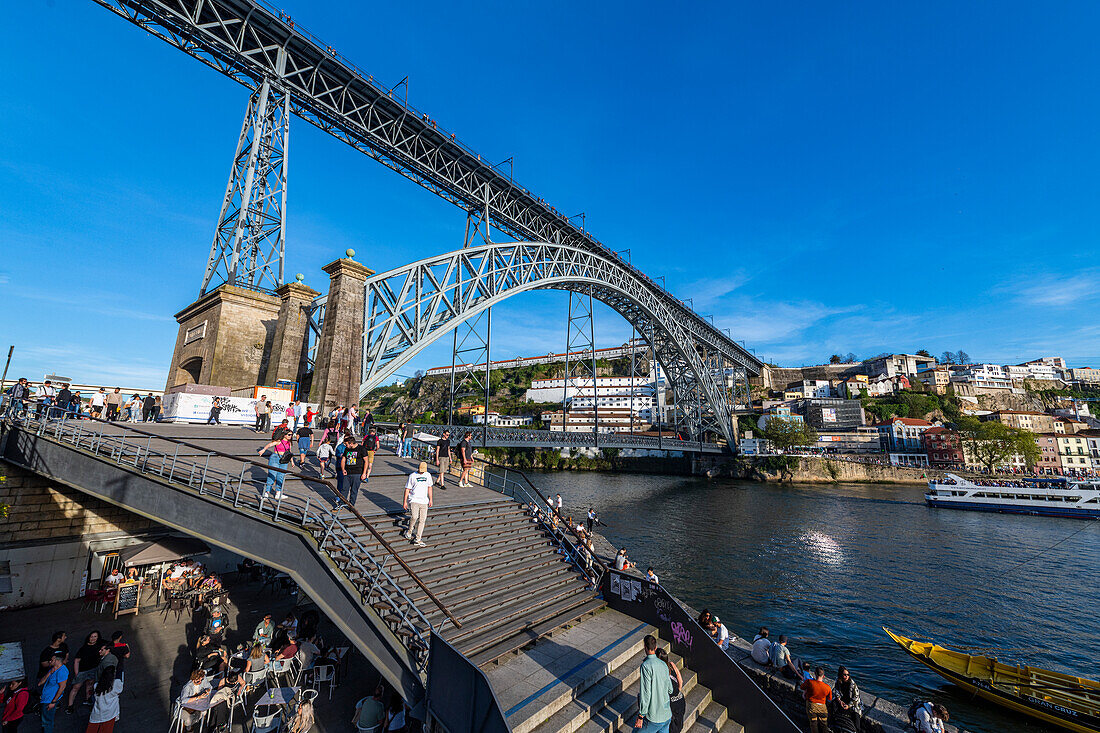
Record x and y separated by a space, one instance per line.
148 407
258 410
292 416
407 440
157 406
349 474
443 456
98 403
310 414
215 412
53 685
114 404
370 444
654 693
400 440
267 411
280 458
325 453
305 443
418 499
105 707
14 704
466 455
677 703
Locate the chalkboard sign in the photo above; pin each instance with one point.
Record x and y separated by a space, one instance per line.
126 598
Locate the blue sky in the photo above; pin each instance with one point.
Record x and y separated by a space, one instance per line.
859 177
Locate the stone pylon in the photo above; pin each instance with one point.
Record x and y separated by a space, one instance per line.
339 357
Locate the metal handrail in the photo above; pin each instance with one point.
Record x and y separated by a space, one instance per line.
542 502
570 550
571 439
184 472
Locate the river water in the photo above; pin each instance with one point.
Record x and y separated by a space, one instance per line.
829 565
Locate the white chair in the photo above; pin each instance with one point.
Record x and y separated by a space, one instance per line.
237 701
252 679
176 726
322 673
267 719
307 696
279 667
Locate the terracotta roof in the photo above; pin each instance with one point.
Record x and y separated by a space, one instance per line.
910 421
936 430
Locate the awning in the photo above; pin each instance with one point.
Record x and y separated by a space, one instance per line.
167 549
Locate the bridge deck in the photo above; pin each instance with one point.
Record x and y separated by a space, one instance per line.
382 494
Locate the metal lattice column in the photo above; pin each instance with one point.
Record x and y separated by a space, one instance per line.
470 353
249 241
580 337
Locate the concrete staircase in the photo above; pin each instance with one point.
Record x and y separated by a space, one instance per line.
494 569
554 687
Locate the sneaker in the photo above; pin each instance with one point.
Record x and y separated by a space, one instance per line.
420 543
407 535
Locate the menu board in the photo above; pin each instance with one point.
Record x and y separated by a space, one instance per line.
126 598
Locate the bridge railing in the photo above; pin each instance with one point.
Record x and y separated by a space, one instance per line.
515 484
317 512
566 440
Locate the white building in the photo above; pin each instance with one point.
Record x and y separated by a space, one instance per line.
1037 369
816 388
497 420
985 376
552 390
641 401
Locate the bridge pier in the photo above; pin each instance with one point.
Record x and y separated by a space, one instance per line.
337 364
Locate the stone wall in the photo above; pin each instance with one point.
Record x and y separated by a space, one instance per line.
51 532
810 470
879 715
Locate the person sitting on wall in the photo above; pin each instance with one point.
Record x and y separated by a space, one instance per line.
621 561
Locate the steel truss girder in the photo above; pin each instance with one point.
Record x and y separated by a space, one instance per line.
249 240
249 42
408 308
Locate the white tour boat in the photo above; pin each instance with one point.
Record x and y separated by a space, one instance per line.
1053 496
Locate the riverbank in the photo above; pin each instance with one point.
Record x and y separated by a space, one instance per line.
807 470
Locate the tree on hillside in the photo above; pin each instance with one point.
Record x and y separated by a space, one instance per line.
962 356
835 359
948 357
850 357
924 352
992 443
786 434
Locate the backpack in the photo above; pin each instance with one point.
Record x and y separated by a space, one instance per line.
912 712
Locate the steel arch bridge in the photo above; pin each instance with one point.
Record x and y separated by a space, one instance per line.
291 72
411 307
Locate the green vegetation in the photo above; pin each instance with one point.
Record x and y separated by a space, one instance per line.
992 443
787 434
911 403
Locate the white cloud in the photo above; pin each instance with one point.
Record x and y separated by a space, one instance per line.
1057 291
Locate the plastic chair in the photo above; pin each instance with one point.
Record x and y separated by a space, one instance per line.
279 667
322 673
237 701
252 679
267 718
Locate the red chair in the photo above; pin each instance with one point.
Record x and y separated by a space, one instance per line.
91 598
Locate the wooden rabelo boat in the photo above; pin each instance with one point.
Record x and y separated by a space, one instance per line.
1060 699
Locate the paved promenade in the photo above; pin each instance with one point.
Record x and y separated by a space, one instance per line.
382 494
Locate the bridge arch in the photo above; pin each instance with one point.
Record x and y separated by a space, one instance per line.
410 307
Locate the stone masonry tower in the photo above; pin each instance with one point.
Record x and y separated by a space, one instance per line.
340 350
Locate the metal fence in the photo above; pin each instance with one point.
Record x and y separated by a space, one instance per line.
205 474
520 437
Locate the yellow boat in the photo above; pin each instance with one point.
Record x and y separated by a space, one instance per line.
1060 699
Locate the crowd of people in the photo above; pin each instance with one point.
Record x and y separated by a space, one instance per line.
48 400
93 677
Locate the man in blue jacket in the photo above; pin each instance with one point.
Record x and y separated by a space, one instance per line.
654 709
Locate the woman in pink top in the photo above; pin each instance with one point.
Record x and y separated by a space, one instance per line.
280 458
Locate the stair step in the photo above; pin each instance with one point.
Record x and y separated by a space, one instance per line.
715 719
525 625
489 654
618 716
575 712
484 593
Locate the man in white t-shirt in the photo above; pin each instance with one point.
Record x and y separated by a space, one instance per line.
99 400
418 497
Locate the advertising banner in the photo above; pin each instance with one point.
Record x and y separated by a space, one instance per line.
195 408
